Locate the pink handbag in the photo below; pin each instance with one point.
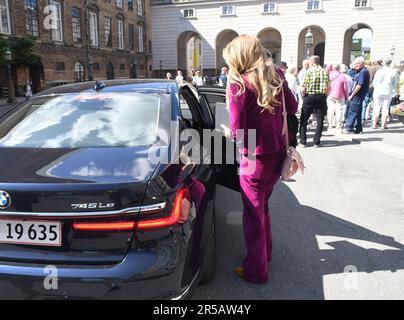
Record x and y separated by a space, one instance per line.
293 161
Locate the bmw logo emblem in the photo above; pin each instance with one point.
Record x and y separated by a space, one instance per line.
5 200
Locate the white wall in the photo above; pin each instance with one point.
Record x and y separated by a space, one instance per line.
384 17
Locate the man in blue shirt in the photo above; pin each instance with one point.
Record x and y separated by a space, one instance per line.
360 89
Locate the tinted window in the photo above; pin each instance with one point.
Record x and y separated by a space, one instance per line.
84 120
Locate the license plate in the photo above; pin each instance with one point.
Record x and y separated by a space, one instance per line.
36 233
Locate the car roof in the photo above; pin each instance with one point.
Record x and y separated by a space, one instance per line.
118 85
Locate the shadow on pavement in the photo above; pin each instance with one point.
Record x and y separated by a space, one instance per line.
298 265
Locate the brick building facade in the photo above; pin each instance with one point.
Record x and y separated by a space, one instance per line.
81 39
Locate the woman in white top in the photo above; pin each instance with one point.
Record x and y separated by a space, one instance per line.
197 79
179 76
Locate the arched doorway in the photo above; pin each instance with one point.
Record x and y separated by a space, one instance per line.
37 76
222 40
358 41
78 72
318 47
189 53
272 41
110 71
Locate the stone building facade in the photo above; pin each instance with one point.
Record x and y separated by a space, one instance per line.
282 26
81 40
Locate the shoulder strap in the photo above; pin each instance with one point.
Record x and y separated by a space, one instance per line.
285 130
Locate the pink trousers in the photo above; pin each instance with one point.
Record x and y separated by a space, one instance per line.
256 188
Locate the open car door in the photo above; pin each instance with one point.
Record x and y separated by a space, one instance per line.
227 169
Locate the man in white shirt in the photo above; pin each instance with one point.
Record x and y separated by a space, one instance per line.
385 86
179 76
291 78
197 80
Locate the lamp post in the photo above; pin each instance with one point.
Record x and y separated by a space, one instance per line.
392 52
161 69
134 69
11 89
309 42
90 68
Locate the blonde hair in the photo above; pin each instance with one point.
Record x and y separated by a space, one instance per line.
246 57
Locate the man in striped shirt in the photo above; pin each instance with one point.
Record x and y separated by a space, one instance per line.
314 92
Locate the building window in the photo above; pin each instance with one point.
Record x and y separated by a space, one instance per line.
107 31
31 16
228 10
57 34
271 7
122 67
119 3
131 37
60 66
130 4
140 7
78 72
76 24
120 34
313 5
189 13
96 66
141 41
93 21
4 17
362 3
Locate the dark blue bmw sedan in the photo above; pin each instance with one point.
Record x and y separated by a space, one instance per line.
86 210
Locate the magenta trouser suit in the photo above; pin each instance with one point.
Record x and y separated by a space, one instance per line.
257 185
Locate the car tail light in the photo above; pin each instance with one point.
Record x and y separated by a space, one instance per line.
179 213
107 226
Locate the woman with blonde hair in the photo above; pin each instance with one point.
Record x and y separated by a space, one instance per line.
254 94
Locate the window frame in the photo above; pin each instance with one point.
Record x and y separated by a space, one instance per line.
120 34
76 25
119 3
269 5
31 20
59 30
320 5
223 14
108 39
96 33
7 8
188 16
139 7
140 31
367 6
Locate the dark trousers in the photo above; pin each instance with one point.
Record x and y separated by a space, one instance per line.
317 104
354 117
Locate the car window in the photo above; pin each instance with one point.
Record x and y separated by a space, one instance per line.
109 119
184 108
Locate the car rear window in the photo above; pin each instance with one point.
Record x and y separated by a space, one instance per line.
109 119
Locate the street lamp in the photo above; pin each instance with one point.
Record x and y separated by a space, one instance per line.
392 52
11 89
161 69
90 68
309 42
134 69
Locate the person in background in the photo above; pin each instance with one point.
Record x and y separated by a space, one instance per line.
337 97
284 67
349 77
385 88
28 89
254 95
373 67
361 88
301 76
291 78
169 76
223 77
197 80
179 76
314 91
401 84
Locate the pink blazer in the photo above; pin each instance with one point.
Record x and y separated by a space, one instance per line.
246 114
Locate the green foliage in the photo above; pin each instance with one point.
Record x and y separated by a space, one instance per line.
23 52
